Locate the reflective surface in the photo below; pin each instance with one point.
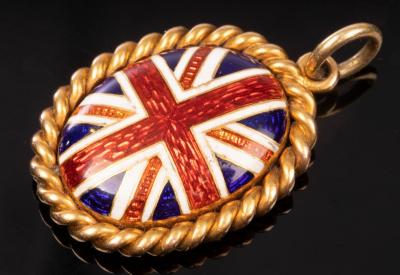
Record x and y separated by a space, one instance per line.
203 123
346 222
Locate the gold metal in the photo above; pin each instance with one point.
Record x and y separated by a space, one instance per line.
324 84
341 38
232 215
173 263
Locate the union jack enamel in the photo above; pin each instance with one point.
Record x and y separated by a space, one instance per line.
173 134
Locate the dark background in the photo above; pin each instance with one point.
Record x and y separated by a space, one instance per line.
345 222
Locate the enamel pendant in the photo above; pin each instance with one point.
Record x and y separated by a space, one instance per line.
183 136
173 136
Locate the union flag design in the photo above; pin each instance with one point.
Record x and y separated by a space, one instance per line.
173 133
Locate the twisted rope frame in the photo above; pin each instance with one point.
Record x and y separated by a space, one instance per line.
233 215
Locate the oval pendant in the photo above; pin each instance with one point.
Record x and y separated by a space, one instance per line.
173 136
182 137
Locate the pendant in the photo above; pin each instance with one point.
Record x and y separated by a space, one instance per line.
182 137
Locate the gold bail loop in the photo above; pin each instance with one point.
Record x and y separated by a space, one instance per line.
310 63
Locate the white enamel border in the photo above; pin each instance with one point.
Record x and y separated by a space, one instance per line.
212 163
127 189
117 101
210 66
183 62
99 134
130 92
239 114
236 155
95 120
174 178
96 179
253 135
222 81
155 194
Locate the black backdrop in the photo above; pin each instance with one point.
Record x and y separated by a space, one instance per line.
344 222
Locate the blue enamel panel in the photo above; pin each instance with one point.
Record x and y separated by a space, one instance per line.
167 206
173 57
272 124
235 176
73 133
109 85
100 199
234 62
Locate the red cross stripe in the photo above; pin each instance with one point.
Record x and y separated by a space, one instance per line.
171 122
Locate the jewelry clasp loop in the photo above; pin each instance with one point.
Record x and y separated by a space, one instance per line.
311 63
343 37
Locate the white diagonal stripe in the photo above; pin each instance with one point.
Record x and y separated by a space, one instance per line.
235 155
158 149
168 75
200 130
117 167
212 162
155 194
254 135
96 120
167 172
117 101
222 81
183 62
240 114
174 178
130 92
127 189
182 95
209 67
134 103
99 134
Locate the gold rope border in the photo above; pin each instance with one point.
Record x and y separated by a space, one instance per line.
185 235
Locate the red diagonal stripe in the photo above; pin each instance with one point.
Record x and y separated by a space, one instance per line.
104 111
193 66
135 209
243 143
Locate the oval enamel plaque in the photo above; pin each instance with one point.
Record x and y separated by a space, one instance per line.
174 135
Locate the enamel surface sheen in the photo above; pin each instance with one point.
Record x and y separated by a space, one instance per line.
171 134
